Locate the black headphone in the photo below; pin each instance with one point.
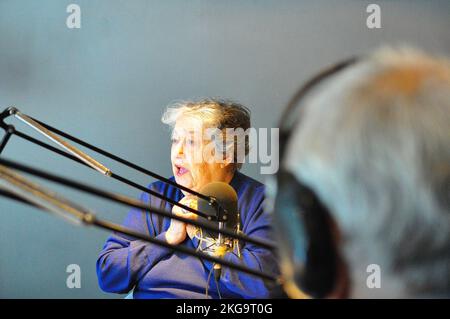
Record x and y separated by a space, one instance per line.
309 257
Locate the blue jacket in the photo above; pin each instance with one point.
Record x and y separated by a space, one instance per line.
156 272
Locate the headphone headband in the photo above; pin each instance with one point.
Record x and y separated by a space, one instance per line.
308 250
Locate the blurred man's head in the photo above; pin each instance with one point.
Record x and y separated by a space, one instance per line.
373 143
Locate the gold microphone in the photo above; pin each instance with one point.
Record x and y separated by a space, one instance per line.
218 244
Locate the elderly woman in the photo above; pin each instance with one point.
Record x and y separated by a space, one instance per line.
156 272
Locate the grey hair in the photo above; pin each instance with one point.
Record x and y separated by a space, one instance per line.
221 114
374 144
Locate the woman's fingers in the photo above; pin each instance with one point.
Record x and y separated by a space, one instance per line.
191 216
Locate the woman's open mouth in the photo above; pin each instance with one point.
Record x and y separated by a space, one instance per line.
180 170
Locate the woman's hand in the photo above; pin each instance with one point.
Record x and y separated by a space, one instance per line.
178 230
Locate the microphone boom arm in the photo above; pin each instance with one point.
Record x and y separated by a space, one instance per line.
59 141
80 157
121 199
17 187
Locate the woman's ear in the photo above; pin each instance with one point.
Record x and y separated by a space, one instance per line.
227 163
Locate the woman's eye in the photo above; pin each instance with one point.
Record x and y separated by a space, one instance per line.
190 142
174 140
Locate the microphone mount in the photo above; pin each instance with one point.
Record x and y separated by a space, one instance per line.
221 213
71 152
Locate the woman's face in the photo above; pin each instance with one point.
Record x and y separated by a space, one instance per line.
190 166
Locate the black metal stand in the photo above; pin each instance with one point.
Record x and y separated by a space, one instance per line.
11 130
92 220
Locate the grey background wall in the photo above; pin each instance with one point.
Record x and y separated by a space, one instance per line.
109 82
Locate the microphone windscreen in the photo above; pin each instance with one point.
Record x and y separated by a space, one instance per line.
226 196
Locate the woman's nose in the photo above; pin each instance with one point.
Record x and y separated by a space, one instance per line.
179 148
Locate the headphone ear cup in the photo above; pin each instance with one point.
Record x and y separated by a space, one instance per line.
307 237
320 272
